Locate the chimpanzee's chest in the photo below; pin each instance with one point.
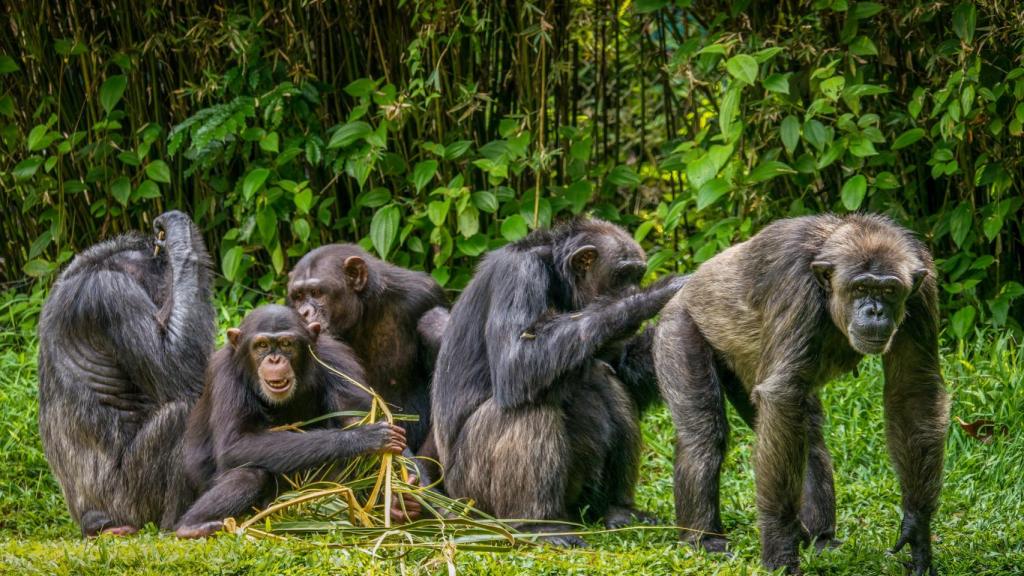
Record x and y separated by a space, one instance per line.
833 357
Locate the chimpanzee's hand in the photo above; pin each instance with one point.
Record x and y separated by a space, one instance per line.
386 438
173 231
915 529
405 508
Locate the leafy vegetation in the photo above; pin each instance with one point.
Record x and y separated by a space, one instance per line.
431 131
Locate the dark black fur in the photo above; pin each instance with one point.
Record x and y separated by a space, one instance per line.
530 422
123 341
768 322
375 308
232 457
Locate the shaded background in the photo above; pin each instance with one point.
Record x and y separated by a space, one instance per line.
432 131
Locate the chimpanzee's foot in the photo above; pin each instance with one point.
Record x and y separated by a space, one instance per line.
822 543
556 538
119 530
622 516
199 530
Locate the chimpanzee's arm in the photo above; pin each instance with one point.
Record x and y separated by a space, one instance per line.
916 421
430 329
530 347
282 452
634 367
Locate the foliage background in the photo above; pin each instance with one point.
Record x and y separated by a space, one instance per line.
433 130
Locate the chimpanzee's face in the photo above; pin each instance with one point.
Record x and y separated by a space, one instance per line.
611 266
274 344
867 306
329 292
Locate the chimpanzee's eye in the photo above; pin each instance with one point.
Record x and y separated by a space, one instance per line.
286 344
888 291
296 295
315 292
860 290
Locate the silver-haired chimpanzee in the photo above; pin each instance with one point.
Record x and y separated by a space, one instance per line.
530 419
123 341
765 324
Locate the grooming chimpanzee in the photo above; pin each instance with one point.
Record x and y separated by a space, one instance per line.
266 377
123 340
374 307
530 421
766 323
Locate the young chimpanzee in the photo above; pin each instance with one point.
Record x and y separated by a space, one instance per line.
123 341
530 421
374 307
266 377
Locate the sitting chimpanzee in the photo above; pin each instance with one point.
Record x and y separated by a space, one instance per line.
374 307
530 421
123 341
266 377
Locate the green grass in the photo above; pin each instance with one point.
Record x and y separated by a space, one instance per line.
979 528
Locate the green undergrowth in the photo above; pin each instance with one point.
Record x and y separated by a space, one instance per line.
978 530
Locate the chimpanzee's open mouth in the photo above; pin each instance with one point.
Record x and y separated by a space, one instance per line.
279 386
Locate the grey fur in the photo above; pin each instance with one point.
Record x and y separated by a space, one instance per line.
123 341
753 325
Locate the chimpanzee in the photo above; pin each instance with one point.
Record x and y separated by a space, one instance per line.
766 323
530 422
123 340
374 307
263 378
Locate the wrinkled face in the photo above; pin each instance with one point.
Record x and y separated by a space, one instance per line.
868 307
329 294
275 358
611 266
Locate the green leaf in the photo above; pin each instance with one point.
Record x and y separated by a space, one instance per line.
121 190
886 181
789 130
816 134
700 171
384 229
423 173
360 88
301 228
647 6
26 169
623 176
469 221
486 201
159 171
456 149
991 226
908 138
266 222
743 67
960 221
37 139
711 191
861 147
727 111
514 227
776 82
472 246
864 10
853 192
254 181
147 190
832 87
7 105
437 211
373 198
112 91
269 142
767 54
963 321
38 267
767 170
964 19
348 133
304 200
7 64
863 46
232 263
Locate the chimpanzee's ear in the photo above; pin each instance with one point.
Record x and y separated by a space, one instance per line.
234 335
823 274
355 272
583 258
917 278
314 330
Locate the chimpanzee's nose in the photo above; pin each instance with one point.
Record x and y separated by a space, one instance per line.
307 313
875 312
275 359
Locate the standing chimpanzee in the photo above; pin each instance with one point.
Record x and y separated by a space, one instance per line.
766 323
530 421
374 307
123 340
266 377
